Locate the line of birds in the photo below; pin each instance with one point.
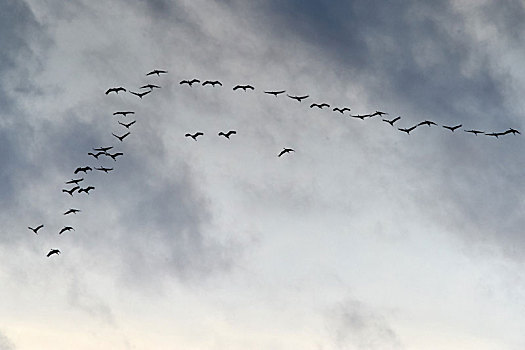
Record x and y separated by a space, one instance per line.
105 151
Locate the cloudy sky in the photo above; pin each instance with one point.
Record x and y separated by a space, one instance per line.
364 238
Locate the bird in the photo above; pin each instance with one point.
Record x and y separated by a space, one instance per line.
496 134
121 138
244 87
361 116
379 113
83 169
475 132
212 83
103 149
190 82
53 251
115 90
96 155
74 181
150 86
427 122
319 105
71 190
341 110
391 122
408 130
275 93
228 134
35 230
106 170
124 113
72 211
127 125
140 94
511 130
452 128
115 155
285 150
66 228
158 72
194 136
87 189
298 98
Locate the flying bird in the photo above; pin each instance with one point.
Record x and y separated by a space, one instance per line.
212 83
189 82
285 150
379 113
341 110
452 128
140 94
53 251
124 113
427 122
228 134
96 155
361 116
511 130
298 98
391 122
244 87
65 229
103 149
194 136
275 93
115 155
408 130
74 181
320 106
86 190
71 191
158 72
475 132
83 169
496 134
150 86
121 138
35 230
127 125
115 90
72 211
106 170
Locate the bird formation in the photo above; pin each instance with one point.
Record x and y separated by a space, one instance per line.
104 152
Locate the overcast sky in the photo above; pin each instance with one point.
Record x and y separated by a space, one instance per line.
363 238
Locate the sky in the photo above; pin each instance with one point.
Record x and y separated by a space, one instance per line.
363 238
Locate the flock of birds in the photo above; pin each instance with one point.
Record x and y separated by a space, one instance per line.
97 152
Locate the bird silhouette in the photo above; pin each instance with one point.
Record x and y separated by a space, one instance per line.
212 83
65 229
495 134
106 170
122 137
103 149
115 155
127 125
298 98
194 136
74 181
341 110
475 132
452 128
53 251
190 82
71 190
228 134
124 113
83 169
379 113
361 116
86 190
140 94
427 122
275 93
285 150
408 130
391 122
158 72
244 87
320 106
511 130
150 86
72 211
96 155
115 90
35 230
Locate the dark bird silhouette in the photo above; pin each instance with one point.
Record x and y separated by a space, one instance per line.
35 230
452 128
194 136
275 93
83 169
121 138
103 149
361 116
495 134
115 155
190 82
86 190
150 86
140 94
391 122
511 130
71 191
341 110
212 83
53 251
475 132
106 170
72 211
96 155
408 130
379 113
124 113
427 122
244 87
298 98
127 125
158 72
65 229
115 90
74 181
285 150
319 105
228 134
